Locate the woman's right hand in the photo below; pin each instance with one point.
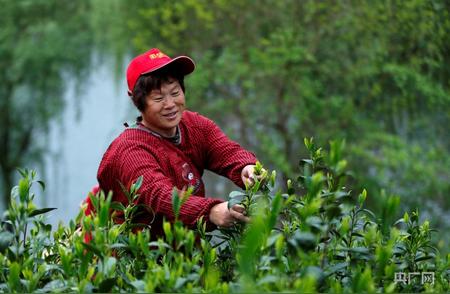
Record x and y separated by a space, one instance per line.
221 216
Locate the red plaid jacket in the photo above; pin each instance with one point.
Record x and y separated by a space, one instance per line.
164 165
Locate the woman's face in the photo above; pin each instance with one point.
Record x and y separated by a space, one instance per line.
164 108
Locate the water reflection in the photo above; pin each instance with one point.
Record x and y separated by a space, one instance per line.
77 142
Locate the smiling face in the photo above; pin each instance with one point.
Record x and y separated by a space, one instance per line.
163 108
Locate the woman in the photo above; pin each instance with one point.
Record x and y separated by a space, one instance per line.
171 147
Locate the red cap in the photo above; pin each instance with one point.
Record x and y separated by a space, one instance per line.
152 60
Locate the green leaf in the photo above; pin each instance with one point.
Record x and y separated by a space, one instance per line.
254 238
94 201
93 249
370 213
422 258
275 210
13 277
23 172
235 197
138 183
361 250
103 214
125 192
315 272
176 202
308 161
6 238
41 211
42 184
234 194
180 282
54 286
139 209
309 143
400 221
109 265
341 194
17 250
117 206
139 285
357 234
432 248
406 217
118 246
336 268
362 197
268 279
24 189
158 243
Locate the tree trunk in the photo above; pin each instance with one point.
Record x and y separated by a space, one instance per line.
5 137
7 184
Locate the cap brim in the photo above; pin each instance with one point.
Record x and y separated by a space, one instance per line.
181 64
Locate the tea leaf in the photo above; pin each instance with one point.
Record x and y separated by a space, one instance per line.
54 286
139 285
336 268
41 211
422 258
176 202
93 249
235 197
13 277
42 184
6 239
117 206
276 207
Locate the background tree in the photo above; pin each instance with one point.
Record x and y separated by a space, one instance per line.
43 45
269 72
273 72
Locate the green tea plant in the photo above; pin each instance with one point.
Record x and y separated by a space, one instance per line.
117 258
314 235
319 237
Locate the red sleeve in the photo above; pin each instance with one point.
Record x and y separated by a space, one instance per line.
156 189
224 156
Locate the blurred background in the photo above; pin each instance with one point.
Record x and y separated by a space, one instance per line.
269 72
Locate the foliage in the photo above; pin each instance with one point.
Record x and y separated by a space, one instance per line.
315 237
373 73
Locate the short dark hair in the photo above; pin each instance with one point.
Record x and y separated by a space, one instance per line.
147 83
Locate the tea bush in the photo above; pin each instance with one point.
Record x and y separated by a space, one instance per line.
316 236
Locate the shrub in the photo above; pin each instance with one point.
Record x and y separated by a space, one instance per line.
316 236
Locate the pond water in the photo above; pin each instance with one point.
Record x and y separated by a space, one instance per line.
77 142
